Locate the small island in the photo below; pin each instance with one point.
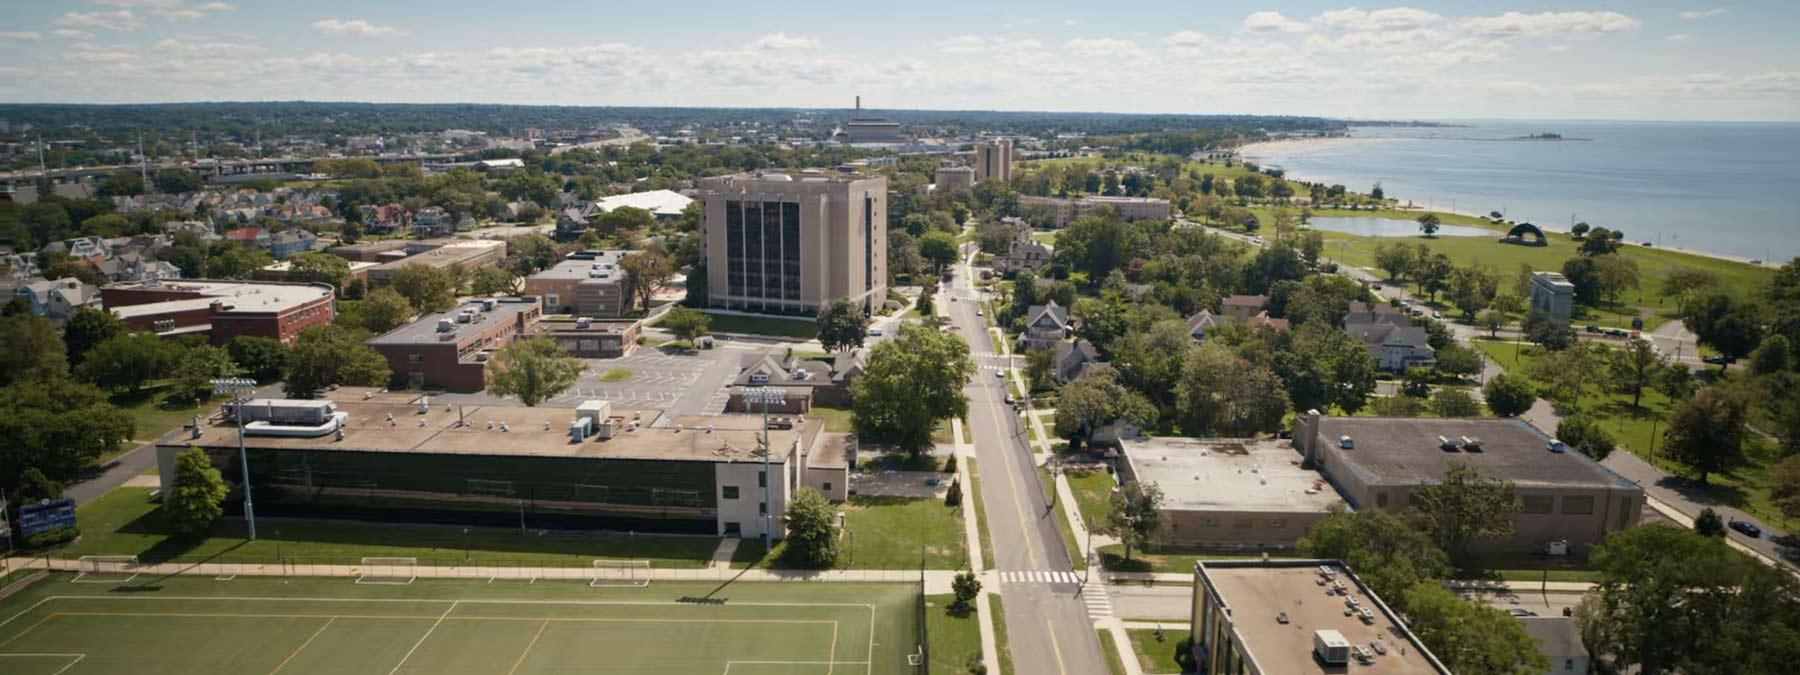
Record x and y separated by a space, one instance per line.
1546 136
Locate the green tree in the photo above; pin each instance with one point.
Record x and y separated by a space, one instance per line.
1508 395
841 326
1429 224
327 355
89 326
1395 259
966 587
812 538
1472 289
1134 514
33 350
383 310
259 358
1471 638
1222 394
1463 508
1784 486
426 288
121 184
1774 355
646 273
1676 382
1707 432
194 504
491 281
528 254
685 323
532 369
1634 368
195 369
533 186
1569 373
126 362
1416 382
1724 322
318 267
1586 435
909 385
1547 332
1453 402
58 427
177 181
1093 401
1709 524
1456 360
1387 553
1040 368
939 249
623 220
1579 230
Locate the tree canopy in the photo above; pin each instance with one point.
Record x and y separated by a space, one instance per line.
910 384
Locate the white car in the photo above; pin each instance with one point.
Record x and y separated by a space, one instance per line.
1000 374
979 313
874 332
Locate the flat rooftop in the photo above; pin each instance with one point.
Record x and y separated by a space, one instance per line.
1406 451
235 296
1229 475
528 432
355 266
604 267
1256 593
425 330
455 250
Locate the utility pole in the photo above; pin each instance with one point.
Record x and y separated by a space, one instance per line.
143 164
237 387
766 396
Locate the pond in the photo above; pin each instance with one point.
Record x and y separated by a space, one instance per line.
1392 227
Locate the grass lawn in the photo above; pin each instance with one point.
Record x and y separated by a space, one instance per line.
1654 264
1045 237
125 522
1000 640
1115 664
888 533
1076 560
1156 656
804 328
1093 491
981 523
837 420
153 415
1639 430
955 636
301 626
1112 557
616 375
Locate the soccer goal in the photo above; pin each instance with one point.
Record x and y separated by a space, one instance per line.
389 571
621 574
106 569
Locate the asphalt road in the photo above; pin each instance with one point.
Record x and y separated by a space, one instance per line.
1049 630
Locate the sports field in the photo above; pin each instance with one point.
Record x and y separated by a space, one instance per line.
269 625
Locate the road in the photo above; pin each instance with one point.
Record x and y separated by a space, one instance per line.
627 136
113 474
1048 627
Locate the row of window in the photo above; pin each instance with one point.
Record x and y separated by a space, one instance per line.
762 249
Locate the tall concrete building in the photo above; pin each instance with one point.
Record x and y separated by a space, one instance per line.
1553 294
789 243
994 160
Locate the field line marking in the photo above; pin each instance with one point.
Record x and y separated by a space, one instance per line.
303 646
77 659
528 647
28 629
27 610
473 601
414 617
834 634
421 641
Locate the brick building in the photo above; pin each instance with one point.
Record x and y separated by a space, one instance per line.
449 350
221 309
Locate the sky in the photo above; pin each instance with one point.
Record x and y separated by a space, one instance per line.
1650 59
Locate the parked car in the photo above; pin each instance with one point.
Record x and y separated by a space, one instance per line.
1437 314
1375 286
874 332
1618 332
1593 328
1718 360
979 313
1747 528
1009 399
1520 613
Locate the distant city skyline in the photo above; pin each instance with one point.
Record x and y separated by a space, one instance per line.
1658 60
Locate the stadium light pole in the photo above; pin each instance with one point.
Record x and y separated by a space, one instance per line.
237 386
766 396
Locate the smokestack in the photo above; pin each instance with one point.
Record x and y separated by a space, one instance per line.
859 103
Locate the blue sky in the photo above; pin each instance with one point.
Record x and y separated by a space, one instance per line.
1700 60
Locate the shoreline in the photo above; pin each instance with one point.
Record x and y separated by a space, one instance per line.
1310 142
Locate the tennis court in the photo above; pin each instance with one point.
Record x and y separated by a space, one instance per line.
300 626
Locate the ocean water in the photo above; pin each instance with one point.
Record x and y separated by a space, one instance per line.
1729 188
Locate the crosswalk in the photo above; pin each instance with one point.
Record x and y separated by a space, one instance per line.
1093 595
1039 577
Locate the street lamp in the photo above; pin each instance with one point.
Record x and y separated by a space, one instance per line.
766 396
237 387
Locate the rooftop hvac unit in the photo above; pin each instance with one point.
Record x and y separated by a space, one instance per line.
1331 648
1447 444
445 325
580 429
1471 444
487 304
1346 442
465 316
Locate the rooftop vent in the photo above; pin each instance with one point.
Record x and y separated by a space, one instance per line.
444 325
1346 442
1448 444
1471 444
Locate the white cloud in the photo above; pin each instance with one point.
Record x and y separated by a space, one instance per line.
1273 22
71 33
121 20
1679 37
1693 15
192 12
1392 19
1187 39
1105 48
780 41
1550 24
137 3
23 35
1070 22
356 27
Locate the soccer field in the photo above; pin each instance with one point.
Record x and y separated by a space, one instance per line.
266 625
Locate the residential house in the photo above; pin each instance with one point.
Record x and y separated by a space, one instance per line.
571 223
1045 326
1240 308
433 221
803 382
1391 338
1023 252
291 241
254 237
1203 321
91 249
59 298
1074 360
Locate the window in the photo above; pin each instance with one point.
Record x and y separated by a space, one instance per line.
731 492
1209 522
762 479
762 508
827 486
415 359
868 242
1577 506
1278 523
1536 503
1381 499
